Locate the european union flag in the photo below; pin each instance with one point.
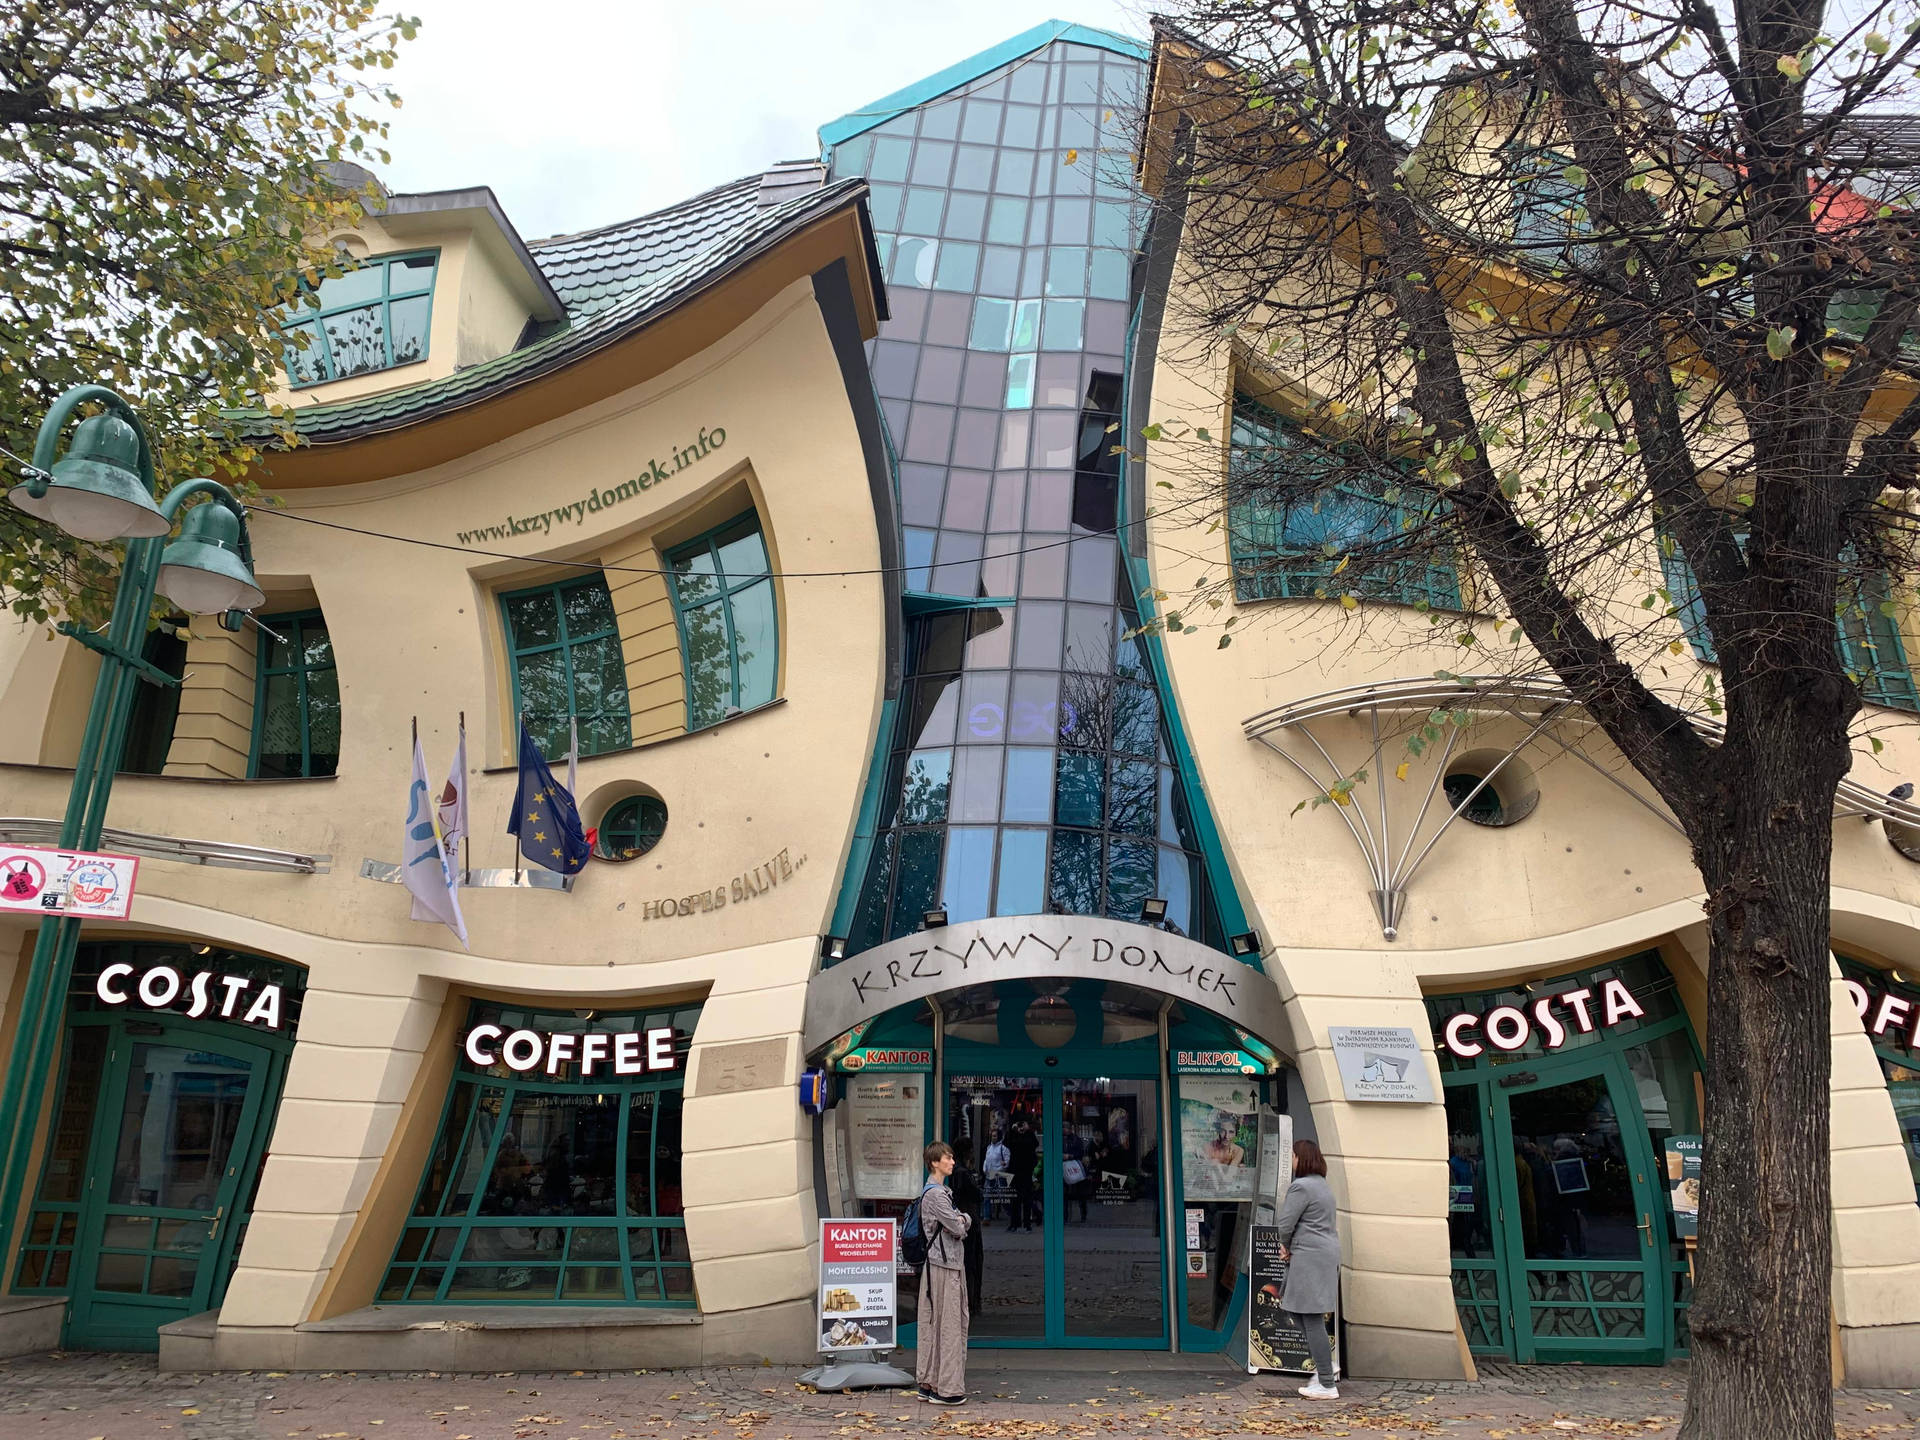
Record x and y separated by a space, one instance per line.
544 815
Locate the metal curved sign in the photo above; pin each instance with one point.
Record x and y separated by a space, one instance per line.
1053 947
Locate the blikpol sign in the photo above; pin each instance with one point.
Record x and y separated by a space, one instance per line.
76 883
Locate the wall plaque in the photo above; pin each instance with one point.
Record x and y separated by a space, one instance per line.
744 1065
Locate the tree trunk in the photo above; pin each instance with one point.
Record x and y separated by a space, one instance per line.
1762 1299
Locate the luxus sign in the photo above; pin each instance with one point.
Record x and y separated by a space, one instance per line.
1509 1028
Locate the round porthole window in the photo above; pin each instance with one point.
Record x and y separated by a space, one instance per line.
1506 799
631 828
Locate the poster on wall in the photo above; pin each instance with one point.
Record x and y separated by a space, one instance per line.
1683 1184
66 882
1219 1142
856 1285
1275 1339
887 1134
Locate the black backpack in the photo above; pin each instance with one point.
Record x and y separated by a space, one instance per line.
913 1236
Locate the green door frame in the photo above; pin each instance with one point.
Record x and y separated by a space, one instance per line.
227 1223
1516 1303
1053 1068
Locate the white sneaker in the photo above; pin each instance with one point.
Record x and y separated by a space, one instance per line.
1314 1390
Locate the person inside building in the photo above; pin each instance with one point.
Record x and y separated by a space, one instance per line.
940 1367
1024 1148
969 1198
1310 1245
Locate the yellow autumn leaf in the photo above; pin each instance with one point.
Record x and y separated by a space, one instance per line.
1400 771
1673 646
1072 155
1350 602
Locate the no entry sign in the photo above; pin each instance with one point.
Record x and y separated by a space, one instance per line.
66 882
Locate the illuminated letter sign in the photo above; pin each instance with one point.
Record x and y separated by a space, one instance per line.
554 1052
1886 1012
164 988
1508 1028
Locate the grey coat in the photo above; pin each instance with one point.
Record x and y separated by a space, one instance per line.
1306 1225
945 1227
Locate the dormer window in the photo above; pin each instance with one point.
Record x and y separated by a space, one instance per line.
374 317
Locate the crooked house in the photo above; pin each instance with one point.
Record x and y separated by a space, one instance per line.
808 502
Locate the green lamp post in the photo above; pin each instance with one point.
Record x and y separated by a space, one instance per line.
102 489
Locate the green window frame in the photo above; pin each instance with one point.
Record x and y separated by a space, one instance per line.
563 648
1900 1065
1867 630
510 1209
631 828
728 617
296 700
376 316
1291 549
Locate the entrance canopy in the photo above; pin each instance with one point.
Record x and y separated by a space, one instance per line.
1056 947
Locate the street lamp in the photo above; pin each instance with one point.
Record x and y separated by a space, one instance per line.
100 490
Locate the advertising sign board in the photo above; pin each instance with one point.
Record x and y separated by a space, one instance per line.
66 882
1275 1339
856 1285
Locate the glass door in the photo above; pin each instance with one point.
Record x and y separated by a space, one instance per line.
1072 1247
1579 1211
1112 1258
171 1153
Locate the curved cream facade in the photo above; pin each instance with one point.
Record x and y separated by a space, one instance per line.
1592 873
769 795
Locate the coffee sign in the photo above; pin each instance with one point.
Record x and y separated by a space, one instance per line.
207 993
1886 1014
622 1052
1509 1028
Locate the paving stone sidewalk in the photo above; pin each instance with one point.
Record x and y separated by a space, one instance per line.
1029 1397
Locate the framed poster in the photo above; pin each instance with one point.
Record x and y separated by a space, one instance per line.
1219 1141
886 1124
1276 1165
1276 1339
1683 1184
856 1298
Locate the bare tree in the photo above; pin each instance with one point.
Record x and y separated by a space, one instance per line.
1604 308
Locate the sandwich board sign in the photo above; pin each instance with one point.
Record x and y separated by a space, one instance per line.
857 1297
1276 1339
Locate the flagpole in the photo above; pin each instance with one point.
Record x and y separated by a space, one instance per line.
466 836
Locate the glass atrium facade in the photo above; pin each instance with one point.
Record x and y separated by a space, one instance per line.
1029 767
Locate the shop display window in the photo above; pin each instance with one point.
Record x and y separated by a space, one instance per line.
729 634
553 1189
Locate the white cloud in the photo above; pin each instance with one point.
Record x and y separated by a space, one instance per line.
582 112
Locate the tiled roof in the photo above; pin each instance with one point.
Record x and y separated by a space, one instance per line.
613 281
596 268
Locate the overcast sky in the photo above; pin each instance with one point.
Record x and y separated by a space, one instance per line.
603 109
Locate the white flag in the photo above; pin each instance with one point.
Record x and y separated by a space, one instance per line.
423 863
452 807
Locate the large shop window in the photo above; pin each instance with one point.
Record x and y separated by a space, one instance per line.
1299 511
1894 1031
374 317
1868 636
567 665
553 1189
723 602
296 708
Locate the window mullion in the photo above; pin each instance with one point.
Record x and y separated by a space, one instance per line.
726 612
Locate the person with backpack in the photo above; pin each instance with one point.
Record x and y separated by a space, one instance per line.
936 1226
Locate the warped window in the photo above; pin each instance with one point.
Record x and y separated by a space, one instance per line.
1867 627
296 707
374 317
567 665
1549 208
729 635
1298 508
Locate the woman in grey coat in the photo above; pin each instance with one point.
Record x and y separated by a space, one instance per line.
1311 1247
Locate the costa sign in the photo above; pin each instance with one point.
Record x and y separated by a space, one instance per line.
1509 1028
625 1052
161 987
1884 1012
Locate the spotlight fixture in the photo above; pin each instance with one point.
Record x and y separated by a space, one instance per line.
934 919
1247 944
201 949
1153 910
833 947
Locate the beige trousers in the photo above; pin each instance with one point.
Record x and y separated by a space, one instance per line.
941 1360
